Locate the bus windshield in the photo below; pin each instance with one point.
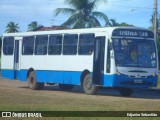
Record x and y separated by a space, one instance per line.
135 53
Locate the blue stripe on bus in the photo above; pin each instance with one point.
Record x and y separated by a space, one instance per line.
65 77
7 74
70 77
124 81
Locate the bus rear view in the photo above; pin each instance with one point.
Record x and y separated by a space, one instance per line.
135 59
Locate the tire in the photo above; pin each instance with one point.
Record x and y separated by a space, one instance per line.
88 86
126 92
32 82
66 87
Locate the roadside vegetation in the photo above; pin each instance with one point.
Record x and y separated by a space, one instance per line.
158 86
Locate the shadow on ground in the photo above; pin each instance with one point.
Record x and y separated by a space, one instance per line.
138 93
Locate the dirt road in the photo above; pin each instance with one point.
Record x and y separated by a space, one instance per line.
15 95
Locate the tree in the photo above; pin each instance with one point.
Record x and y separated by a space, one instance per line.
82 14
12 27
152 28
152 22
33 25
113 22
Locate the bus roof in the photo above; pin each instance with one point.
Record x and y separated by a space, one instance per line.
109 30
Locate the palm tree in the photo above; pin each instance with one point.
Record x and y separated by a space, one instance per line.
126 24
82 14
33 25
113 22
12 27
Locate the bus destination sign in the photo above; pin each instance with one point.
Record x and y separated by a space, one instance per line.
132 33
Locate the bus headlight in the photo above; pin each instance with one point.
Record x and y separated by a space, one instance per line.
154 75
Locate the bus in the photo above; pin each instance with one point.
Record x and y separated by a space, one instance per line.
124 58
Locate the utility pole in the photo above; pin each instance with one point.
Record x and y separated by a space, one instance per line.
155 19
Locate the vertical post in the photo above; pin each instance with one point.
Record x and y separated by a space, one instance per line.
155 20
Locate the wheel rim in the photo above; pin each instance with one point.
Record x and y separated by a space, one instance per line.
88 84
32 80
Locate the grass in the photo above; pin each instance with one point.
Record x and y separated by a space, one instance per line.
158 85
20 98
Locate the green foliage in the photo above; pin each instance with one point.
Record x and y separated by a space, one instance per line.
33 25
158 86
152 23
12 27
82 14
113 22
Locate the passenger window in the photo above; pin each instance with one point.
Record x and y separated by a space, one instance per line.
70 44
55 44
28 45
41 45
8 45
86 44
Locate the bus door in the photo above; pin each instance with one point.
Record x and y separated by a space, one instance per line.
16 58
98 61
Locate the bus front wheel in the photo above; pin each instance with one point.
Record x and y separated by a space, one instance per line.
32 82
88 86
126 92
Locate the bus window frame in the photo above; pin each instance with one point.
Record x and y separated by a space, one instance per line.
33 46
77 39
91 49
60 45
43 44
12 48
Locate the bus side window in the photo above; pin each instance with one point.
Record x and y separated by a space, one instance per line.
70 44
28 45
109 48
55 44
8 45
86 44
41 45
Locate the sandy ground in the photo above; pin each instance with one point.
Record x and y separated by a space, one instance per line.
16 94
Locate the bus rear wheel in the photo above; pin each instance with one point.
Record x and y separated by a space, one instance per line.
32 82
126 92
88 86
65 87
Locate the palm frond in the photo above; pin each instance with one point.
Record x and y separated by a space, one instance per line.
66 11
79 24
101 16
76 4
94 22
71 20
12 27
98 2
33 25
114 22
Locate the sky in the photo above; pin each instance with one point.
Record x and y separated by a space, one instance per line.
23 12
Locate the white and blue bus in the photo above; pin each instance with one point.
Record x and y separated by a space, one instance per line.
119 57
